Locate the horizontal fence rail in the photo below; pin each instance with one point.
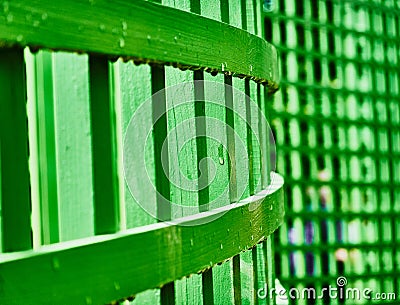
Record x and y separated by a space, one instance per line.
140 258
143 31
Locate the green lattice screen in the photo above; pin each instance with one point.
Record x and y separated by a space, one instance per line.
337 127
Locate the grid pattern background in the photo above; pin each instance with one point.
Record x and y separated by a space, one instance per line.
336 122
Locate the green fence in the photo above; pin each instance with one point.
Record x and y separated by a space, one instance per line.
94 98
337 127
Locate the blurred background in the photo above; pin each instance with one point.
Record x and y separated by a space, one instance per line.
337 127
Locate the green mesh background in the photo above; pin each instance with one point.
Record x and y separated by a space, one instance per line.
337 127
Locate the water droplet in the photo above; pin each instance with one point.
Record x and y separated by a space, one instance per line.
250 223
268 6
176 39
117 286
121 42
271 207
89 301
44 16
251 68
261 228
102 27
223 67
191 242
36 23
211 263
221 161
10 18
252 237
148 38
228 230
221 246
56 263
124 25
20 38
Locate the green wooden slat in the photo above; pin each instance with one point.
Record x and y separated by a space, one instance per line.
130 94
42 144
105 268
161 159
73 146
183 192
105 179
249 137
161 164
237 283
202 171
201 141
140 29
45 113
15 192
230 137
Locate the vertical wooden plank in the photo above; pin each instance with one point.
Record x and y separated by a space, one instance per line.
105 179
242 169
218 172
132 88
159 136
182 128
42 147
15 194
167 293
248 266
242 177
201 144
161 158
33 151
73 145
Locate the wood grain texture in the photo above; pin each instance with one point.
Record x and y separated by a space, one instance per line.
142 30
129 95
73 146
42 146
81 272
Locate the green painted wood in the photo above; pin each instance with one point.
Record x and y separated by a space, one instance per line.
181 127
161 161
142 30
132 87
242 176
73 146
129 94
105 179
201 141
256 138
181 141
203 162
42 146
159 131
15 194
80 272
269 261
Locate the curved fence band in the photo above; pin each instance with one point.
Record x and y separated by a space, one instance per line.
142 258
